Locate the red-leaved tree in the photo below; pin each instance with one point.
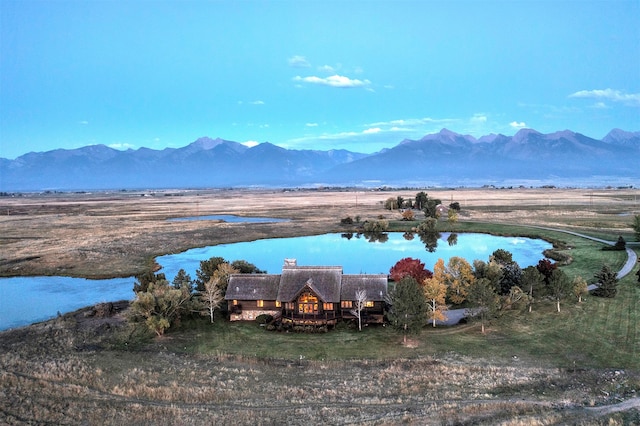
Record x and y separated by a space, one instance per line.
546 268
409 267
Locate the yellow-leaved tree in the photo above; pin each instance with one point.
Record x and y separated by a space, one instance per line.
435 291
459 278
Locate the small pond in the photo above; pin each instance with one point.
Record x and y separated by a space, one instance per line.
25 300
229 218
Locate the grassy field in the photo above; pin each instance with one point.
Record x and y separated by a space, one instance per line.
540 368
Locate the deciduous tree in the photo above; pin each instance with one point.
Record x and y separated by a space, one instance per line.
408 266
358 306
452 218
546 268
560 286
580 287
161 305
421 200
407 215
458 279
212 296
435 292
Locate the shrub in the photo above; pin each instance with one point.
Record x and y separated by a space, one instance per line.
264 319
346 221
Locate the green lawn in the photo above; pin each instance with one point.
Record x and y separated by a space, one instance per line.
600 333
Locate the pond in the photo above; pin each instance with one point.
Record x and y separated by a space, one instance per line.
26 300
356 254
30 299
229 218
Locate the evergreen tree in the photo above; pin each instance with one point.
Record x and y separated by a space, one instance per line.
483 298
532 282
408 306
182 279
607 282
206 270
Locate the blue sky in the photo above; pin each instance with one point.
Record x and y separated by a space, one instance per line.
360 75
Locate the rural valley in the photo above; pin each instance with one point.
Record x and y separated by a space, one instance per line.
579 366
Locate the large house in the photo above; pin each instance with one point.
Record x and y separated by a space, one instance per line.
305 295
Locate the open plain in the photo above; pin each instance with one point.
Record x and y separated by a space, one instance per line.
577 367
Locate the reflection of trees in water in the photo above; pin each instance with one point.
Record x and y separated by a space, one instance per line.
347 235
452 239
409 236
428 233
430 240
376 237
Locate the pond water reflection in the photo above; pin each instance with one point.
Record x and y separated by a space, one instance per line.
357 253
25 300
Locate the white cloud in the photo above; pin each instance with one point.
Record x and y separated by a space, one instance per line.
479 118
518 125
334 81
372 130
83 122
311 124
327 69
609 94
257 102
600 105
250 144
414 122
299 62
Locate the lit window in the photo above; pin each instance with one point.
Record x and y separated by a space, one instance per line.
260 303
235 303
327 306
346 304
278 303
368 304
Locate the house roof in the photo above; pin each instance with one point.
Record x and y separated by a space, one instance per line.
323 280
327 282
252 287
375 285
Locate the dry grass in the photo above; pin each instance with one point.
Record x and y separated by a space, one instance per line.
70 371
119 234
53 381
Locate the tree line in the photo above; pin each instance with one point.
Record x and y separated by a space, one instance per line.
419 296
161 304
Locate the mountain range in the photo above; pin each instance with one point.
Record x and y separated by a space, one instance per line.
440 159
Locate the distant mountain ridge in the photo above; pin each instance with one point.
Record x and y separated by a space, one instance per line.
443 158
